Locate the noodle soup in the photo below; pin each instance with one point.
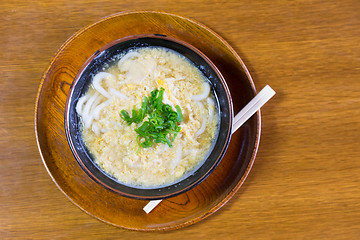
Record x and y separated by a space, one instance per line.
115 144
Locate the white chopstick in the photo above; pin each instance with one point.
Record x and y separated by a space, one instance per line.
151 205
250 109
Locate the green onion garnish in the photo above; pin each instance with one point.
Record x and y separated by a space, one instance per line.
162 125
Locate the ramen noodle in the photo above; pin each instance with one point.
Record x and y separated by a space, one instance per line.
122 86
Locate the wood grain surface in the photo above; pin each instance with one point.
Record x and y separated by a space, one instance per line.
305 180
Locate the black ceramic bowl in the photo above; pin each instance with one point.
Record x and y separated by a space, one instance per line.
105 56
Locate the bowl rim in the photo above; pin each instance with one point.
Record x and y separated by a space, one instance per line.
137 196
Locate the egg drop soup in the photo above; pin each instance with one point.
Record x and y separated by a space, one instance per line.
116 146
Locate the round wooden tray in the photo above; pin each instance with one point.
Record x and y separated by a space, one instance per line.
172 213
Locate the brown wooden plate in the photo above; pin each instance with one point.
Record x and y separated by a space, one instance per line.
172 213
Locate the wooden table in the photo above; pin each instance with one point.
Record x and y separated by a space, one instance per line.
305 183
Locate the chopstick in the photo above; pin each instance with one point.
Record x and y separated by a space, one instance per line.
250 109
151 205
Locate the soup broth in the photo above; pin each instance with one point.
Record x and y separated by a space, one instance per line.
115 145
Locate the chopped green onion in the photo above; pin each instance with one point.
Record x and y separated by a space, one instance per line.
162 123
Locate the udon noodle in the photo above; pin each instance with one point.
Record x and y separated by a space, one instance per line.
122 86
